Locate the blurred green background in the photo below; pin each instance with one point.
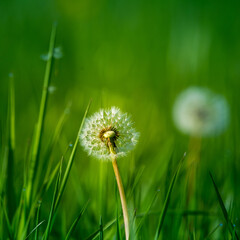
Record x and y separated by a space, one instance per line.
137 55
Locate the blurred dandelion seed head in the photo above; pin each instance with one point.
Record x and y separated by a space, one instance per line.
57 54
105 124
199 112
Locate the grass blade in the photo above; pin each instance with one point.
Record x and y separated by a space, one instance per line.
96 233
49 224
167 200
47 162
100 229
224 211
9 227
37 220
70 161
147 212
41 117
11 149
119 235
72 228
213 231
35 229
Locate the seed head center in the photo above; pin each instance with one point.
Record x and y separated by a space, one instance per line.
109 134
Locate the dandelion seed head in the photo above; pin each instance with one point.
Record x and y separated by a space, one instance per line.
200 112
57 54
105 124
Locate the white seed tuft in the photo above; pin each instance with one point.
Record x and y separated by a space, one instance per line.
104 124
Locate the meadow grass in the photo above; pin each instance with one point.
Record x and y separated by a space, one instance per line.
51 189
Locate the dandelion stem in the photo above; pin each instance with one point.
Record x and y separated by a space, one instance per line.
121 189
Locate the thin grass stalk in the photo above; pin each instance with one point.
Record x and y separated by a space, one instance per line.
37 221
41 117
51 214
96 234
74 225
11 149
224 211
167 199
70 161
47 161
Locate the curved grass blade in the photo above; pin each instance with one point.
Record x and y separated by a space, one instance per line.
96 233
74 225
213 231
136 180
147 212
224 211
70 161
35 229
47 161
41 116
48 228
167 200
55 137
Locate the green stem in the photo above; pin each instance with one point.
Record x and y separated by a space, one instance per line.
121 189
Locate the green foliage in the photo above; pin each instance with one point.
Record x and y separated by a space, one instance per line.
135 55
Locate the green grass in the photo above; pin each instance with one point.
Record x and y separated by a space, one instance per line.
137 56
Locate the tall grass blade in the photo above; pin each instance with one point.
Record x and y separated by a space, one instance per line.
136 180
55 139
74 225
167 200
9 227
49 224
41 117
224 211
212 232
100 229
96 233
147 212
70 161
35 229
36 222
47 161
119 235
11 148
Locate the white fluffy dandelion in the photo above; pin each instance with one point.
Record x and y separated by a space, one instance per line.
200 112
108 124
108 135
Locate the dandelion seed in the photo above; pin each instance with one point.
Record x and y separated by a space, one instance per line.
106 124
200 112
